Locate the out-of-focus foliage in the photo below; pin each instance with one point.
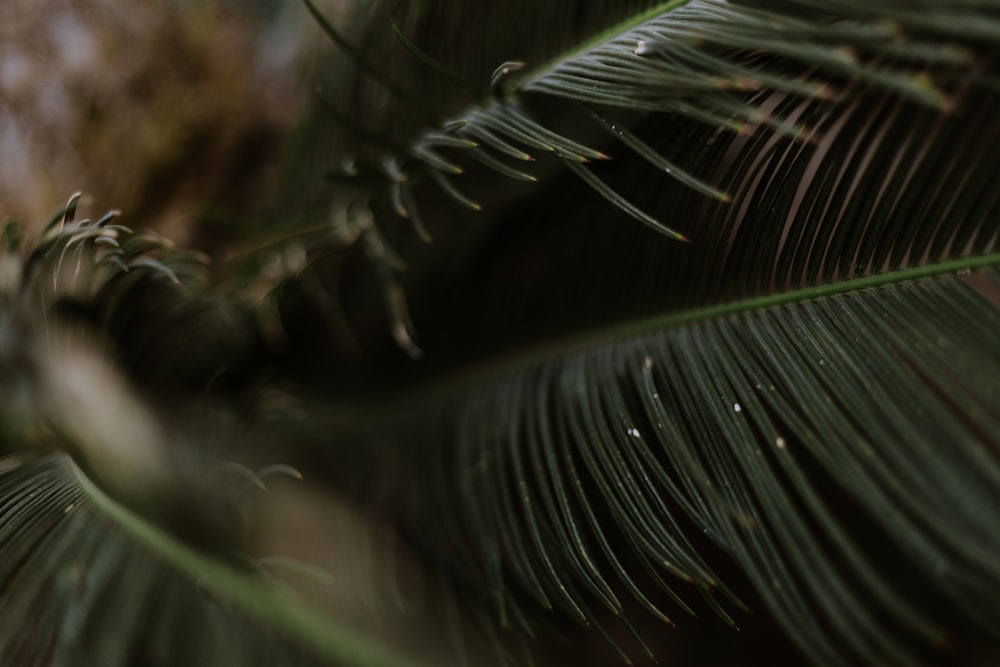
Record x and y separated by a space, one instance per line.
173 111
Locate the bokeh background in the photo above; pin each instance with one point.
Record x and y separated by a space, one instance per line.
174 112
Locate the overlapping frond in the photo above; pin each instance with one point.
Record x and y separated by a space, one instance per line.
86 581
680 60
718 71
809 385
101 559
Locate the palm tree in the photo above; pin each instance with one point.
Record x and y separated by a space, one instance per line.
715 347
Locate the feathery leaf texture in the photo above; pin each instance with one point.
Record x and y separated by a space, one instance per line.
84 578
729 424
729 68
86 581
811 384
677 58
796 414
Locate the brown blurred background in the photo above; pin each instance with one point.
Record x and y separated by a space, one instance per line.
174 112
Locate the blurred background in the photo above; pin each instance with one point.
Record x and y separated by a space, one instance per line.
174 112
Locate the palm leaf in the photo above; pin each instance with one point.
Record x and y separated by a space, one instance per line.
86 581
115 548
807 390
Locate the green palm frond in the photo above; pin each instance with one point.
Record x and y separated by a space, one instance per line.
116 547
86 581
692 63
807 390
737 425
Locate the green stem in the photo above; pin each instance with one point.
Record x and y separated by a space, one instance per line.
501 366
321 634
842 287
603 36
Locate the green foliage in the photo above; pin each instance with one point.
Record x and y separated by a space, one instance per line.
101 586
793 414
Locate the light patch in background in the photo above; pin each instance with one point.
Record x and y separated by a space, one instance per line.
96 407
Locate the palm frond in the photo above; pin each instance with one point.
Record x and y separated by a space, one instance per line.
117 545
807 390
86 581
716 69
795 436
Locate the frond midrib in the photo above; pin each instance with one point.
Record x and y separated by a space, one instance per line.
610 33
808 293
502 365
321 635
